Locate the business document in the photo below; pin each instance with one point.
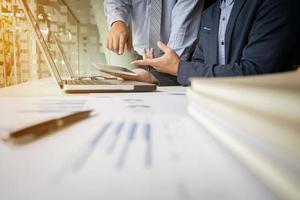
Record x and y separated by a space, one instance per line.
137 146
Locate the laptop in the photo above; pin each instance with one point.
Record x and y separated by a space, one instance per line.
80 84
70 70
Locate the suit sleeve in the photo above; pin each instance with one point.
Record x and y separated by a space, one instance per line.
268 47
116 10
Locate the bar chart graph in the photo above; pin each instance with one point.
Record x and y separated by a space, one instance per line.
116 139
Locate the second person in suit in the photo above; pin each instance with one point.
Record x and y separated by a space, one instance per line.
237 38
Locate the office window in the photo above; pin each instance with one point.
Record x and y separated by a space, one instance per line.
74 24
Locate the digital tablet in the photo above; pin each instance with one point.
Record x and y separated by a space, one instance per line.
115 70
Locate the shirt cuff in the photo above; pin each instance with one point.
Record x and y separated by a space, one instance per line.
115 18
182 74
185 53
164 79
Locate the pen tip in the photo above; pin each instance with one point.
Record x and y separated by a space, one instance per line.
5 137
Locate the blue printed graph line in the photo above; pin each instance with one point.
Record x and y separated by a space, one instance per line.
148 140
117 133
47 111
82 157
57 103
133 100
86 153
130 138
139 106
177 93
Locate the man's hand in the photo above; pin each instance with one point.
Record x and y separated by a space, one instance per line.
118 37
142 76
168 63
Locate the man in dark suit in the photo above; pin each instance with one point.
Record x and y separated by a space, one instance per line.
238 38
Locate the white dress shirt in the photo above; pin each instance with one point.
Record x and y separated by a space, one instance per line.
226 8
179 28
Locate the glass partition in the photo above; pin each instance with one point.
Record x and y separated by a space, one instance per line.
71 22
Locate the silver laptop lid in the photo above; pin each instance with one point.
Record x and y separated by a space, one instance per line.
41 42
64 57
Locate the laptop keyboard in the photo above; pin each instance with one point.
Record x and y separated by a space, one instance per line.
88 82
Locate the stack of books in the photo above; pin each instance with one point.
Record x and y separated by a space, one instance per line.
258 119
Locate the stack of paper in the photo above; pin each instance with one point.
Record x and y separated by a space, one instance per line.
258 120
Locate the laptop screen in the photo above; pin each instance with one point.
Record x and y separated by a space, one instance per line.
33 23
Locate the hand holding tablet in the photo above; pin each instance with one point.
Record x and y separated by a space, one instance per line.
137 74
116 70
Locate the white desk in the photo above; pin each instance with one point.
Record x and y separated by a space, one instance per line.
159 152
47 87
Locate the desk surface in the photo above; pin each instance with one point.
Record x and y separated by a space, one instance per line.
48 87
138 146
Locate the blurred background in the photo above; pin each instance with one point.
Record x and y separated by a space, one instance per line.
79 25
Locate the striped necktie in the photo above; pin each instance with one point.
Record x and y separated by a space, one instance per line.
155 24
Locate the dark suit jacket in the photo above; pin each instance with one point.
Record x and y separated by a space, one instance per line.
260 39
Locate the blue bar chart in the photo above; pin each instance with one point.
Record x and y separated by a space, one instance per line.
111 133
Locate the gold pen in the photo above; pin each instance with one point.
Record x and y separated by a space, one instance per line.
38 130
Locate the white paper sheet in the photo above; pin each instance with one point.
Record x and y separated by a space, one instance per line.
21 112
139 146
